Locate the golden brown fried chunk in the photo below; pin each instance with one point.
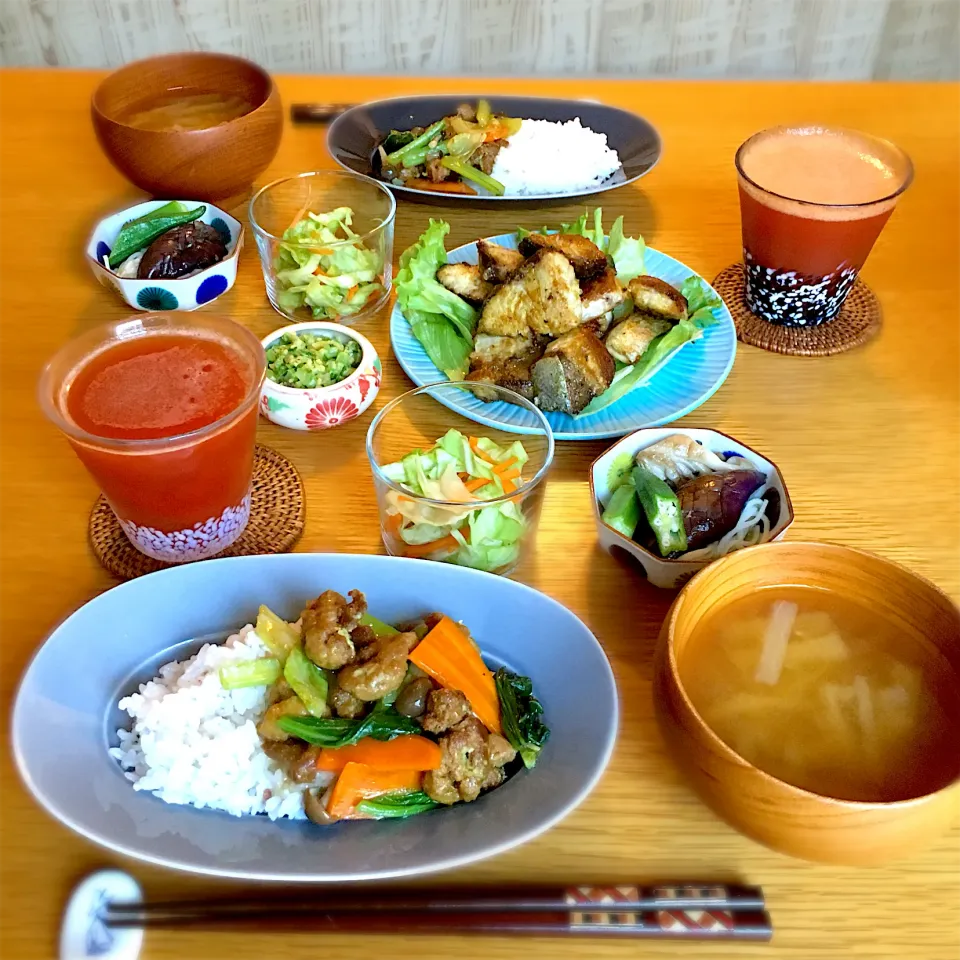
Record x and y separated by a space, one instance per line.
472 761
600 296
445 709
629 339
345 704
497 264
656 296
543 297
587 258
575 368
380 669
504 361
326 625
465 281
291 707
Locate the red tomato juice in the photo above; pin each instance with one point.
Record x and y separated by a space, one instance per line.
168 386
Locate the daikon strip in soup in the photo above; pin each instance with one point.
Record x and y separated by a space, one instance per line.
824 694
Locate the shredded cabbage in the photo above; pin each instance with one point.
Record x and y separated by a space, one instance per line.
317 269
464 530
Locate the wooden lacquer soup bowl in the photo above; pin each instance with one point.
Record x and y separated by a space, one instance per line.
782 816
207 164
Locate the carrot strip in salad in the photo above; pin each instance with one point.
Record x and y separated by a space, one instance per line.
450 658
510 475
474 485
357 782
505 465
352 291
393 523
406 752
475 447
448 542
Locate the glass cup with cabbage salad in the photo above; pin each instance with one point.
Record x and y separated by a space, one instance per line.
456 491
326 244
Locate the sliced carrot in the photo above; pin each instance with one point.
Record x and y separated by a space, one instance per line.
474 485
323 251
393 523
505 465
497 131
510 475
448 542
445 186
475 447
447 655
357 782
406 752
352 291
508 485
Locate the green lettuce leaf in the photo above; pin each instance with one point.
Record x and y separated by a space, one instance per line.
702 303
443 322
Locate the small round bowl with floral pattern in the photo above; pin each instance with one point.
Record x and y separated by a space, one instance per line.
318 408
183 293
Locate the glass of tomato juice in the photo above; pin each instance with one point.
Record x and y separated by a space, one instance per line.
162 411
813 201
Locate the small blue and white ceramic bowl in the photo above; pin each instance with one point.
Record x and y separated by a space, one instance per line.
184 293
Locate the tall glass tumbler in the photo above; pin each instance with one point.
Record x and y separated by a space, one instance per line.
162 411
813 201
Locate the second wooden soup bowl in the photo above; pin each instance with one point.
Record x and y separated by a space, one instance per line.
211 163
784 817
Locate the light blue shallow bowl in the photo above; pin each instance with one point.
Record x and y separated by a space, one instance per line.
686 379
65 716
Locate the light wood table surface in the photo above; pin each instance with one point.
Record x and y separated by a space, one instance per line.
868 442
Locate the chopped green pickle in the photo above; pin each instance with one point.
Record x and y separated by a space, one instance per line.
309 360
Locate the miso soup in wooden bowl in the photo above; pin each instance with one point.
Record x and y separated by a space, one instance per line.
202 125
811 694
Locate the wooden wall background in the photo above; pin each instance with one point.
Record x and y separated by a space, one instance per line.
838 39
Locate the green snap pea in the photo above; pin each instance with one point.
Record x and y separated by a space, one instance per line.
140 233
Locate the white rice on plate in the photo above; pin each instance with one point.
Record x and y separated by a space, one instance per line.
546 157
194 742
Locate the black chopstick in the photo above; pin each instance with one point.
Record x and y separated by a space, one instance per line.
624 897
317 112
681 910
673 925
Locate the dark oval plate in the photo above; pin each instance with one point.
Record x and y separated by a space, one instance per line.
353 137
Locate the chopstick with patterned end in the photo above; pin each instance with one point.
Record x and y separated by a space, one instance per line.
684 911
317 112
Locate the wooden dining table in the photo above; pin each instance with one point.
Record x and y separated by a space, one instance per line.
868 442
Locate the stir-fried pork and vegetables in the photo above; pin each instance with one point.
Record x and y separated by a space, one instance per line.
381 721
450 154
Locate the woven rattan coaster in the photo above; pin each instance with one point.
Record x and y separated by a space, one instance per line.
276 521
859 320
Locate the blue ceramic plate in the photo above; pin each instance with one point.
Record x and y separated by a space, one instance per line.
685 379
65 716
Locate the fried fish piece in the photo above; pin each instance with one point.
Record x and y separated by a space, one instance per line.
465 281
600 297
498 264
506 362
574 369
587 258
543 297
629 339
656 296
